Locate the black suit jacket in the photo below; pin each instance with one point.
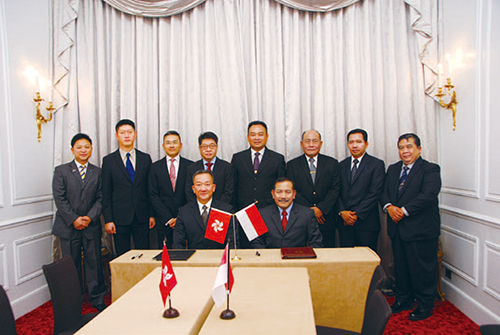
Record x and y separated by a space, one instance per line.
419 197
123 199
325 190
164 201
190 229
223 179
363 194
75 198
250 186
302 229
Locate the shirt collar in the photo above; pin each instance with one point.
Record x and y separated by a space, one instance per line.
200 205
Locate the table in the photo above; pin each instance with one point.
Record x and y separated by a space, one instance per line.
140 310
266 301
339 277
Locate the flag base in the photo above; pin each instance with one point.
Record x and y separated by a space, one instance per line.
171 313
227 314
236 258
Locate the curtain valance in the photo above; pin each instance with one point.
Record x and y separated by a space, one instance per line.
317 5
153 8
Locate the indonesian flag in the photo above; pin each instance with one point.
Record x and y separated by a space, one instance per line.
168 280
225 273
252 223
217 225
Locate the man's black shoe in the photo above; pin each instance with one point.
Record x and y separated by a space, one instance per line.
400 306
420 314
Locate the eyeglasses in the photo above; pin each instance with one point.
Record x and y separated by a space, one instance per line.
210 146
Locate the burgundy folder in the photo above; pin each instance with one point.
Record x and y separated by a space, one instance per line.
295 253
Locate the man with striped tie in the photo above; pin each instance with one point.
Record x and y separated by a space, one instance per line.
410 197
77 193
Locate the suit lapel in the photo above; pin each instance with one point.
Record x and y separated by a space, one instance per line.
305 168
121 166
292 219
364 162
413 171
166 173
248 161
276 217
73 168
264 161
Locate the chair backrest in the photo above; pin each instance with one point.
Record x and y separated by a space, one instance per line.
7 321
65 291
489 329
377 313
378 278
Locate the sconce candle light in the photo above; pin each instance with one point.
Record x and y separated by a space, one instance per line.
448 92
40 119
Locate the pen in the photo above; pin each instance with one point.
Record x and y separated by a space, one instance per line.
140 256
136 256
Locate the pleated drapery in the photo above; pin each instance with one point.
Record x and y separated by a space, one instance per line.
224 63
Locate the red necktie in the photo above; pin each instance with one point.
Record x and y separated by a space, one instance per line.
209 166
284 221
172 174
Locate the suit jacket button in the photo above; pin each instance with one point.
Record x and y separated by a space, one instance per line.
314 193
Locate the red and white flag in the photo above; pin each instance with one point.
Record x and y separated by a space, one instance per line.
168 280
217 225
224 275
252 223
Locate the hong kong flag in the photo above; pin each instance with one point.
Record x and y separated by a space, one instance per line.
168 280
217 225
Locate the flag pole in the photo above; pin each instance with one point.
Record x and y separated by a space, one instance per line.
235 258
228 314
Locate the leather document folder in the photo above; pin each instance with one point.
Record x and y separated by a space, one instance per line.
295 253
177 255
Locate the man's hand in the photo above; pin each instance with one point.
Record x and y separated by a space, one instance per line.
349 217
110 228
395 213
152 222
319 215
171 222
81 222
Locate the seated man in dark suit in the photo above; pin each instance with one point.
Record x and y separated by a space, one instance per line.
192 219
221 170
289 224
77 191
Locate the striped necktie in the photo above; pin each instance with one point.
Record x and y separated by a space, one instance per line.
82 172
402 179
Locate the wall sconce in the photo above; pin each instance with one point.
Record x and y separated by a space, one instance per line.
33 76
449 92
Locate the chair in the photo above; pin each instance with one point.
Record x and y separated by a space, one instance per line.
489 329
7 321
66 294
377 313
378 279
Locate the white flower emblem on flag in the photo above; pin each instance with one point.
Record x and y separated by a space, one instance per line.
218 226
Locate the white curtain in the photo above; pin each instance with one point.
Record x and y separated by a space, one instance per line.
227 62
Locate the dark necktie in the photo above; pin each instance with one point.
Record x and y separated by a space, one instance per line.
256 162
204 215
402 179
130 167
209 166
312 169
284 221
354 169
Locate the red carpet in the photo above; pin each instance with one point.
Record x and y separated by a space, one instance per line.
447 319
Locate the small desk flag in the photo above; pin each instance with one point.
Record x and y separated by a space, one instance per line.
168 280
224 274
252 223
217 225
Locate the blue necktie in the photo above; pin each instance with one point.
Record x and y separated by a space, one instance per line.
402 179
130 167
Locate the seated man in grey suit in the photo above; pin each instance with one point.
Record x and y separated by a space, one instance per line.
77 191
289 224
192 218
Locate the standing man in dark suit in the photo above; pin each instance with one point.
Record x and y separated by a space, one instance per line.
221 170
317 182
410 197
192 219
166 187
125 176
289 224
77 191
255 171
362 181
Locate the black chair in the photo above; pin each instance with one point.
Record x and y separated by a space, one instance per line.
66 294
378 279
377 313
489 329
7 321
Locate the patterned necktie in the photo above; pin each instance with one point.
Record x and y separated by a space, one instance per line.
130 167
256 162
312 169
209 166
284 221
82 172
354 169
172 173
204 215
402 179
